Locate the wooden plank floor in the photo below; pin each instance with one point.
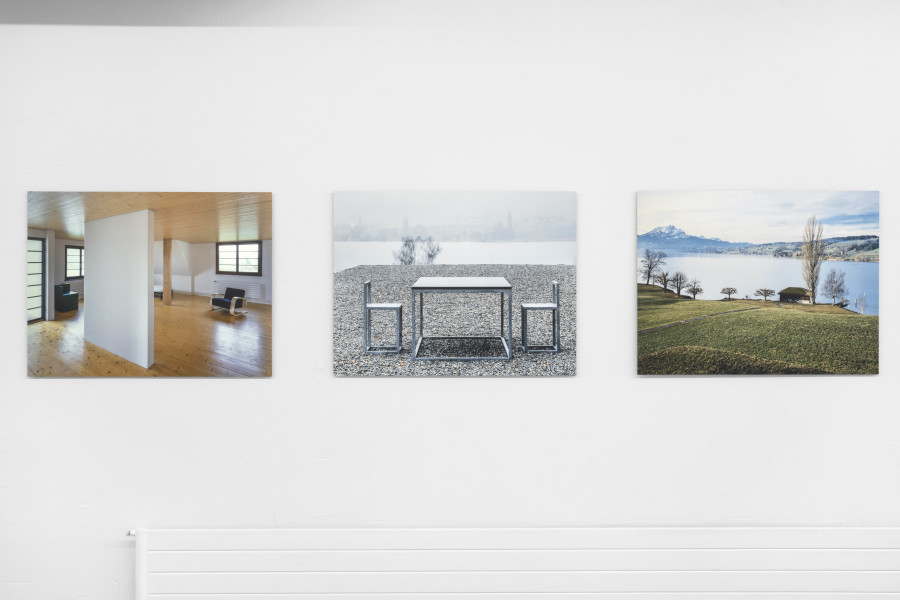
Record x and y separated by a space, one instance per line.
190 340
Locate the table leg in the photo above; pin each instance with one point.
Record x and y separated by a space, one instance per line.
400 329
555 331
509 352
501 314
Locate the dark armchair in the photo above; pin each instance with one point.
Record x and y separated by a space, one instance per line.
232 299
65 300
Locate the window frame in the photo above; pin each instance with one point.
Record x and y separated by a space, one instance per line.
44 280
81 265
259 269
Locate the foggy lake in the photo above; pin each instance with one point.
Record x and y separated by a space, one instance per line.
351 254
749 273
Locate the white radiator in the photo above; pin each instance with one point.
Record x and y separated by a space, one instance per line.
742 563
77 285
252 289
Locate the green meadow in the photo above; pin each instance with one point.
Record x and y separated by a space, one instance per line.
793 339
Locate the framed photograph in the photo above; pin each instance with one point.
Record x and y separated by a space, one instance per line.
757 283
145 284
454 283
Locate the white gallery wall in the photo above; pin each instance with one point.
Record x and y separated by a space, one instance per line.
119 315
602 98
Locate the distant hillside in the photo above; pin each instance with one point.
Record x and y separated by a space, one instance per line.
861 248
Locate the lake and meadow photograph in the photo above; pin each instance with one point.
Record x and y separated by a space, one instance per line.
454 283
757 283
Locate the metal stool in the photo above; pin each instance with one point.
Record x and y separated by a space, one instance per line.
552 306
368 307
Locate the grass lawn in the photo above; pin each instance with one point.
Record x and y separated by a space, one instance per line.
826 309
798 339
656 307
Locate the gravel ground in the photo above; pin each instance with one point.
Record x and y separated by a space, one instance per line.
452 314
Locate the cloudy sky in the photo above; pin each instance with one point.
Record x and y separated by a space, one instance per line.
385 208
758 217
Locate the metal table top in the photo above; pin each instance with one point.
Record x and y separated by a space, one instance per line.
461 283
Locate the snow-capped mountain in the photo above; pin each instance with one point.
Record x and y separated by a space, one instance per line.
669 232
672 238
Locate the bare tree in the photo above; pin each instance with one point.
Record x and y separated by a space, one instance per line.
430 249
652 261
662 278
813 254
407 253
417 251
729 291
861 304
694 288
834 285
679 281
765 293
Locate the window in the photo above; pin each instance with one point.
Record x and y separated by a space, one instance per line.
239 258
74 262
35 280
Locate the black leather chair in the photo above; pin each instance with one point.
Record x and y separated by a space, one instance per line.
232 299
65 300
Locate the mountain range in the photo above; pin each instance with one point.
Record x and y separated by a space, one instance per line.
863 248
673 238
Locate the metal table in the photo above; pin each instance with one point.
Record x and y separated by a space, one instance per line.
470 285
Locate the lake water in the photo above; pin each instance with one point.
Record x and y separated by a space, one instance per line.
351 254
749 273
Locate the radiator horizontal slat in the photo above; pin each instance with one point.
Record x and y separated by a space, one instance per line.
252 289
525 560
519 539
545 582
76 285
653 563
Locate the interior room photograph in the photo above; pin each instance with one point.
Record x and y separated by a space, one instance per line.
149 284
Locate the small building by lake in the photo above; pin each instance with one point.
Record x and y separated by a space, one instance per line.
794 294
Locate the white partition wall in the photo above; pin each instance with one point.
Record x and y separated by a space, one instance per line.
119 282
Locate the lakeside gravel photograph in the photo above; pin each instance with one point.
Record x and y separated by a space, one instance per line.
454 284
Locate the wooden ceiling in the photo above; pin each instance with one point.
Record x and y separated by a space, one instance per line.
189 217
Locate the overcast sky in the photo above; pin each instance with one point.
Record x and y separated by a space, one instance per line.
758 217
380 209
